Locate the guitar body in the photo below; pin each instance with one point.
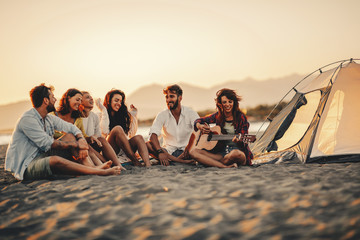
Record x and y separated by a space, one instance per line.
202 139
209 141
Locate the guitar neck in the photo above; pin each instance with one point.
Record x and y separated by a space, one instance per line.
244 138
216 137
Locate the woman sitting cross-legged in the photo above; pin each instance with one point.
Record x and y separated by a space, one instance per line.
231 120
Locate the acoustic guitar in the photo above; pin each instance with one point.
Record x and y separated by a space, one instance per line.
208 141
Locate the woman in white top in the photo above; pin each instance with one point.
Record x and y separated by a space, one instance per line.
91 124
120 127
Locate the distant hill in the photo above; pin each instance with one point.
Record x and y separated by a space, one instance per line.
150 100
10 113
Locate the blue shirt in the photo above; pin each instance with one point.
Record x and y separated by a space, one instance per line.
33 136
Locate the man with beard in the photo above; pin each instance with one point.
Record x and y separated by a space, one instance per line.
29 154
175 126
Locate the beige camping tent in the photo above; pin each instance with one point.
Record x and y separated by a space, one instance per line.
321 123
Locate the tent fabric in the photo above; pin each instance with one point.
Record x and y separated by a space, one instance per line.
286 124
339 131
320 122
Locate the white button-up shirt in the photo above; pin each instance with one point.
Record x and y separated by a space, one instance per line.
175 135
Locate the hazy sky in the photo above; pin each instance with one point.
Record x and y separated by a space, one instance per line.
97 45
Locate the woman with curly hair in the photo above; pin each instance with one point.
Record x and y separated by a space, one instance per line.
119 125
69 110
231 120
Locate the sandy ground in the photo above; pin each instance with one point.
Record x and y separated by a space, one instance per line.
271 201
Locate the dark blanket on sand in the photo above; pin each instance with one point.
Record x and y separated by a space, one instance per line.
272 201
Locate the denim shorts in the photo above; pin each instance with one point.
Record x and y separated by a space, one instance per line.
227 150
39 168
176 153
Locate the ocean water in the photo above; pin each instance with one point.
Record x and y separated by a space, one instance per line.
144 131
5 139
253 129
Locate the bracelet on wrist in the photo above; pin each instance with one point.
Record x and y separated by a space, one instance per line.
78 138
160 151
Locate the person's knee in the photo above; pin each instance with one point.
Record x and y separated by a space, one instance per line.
119 130
194 152
56 161
138 138
68 137
239 155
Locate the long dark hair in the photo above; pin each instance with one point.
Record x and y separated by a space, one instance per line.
64 104
121 117
230 94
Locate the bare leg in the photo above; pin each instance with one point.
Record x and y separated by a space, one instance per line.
235 156
208 159
137 143
108 151
90 161
118 139
151 150
87 162
97 154
63 166
94 158
105 165
154 154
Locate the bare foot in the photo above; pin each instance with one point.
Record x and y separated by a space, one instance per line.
105 165
234 165
119 165
137 163
241 162
190 161
111 171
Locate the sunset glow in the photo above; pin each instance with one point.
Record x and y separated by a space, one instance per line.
97 45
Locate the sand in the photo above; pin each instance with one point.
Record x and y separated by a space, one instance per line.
293 201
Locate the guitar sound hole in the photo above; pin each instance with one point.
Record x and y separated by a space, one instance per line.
209 136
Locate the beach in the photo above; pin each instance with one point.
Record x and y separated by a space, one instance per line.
271 201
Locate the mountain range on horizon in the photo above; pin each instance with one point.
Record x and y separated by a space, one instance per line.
149 99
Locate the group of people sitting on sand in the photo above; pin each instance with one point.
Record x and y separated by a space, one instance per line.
73 140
